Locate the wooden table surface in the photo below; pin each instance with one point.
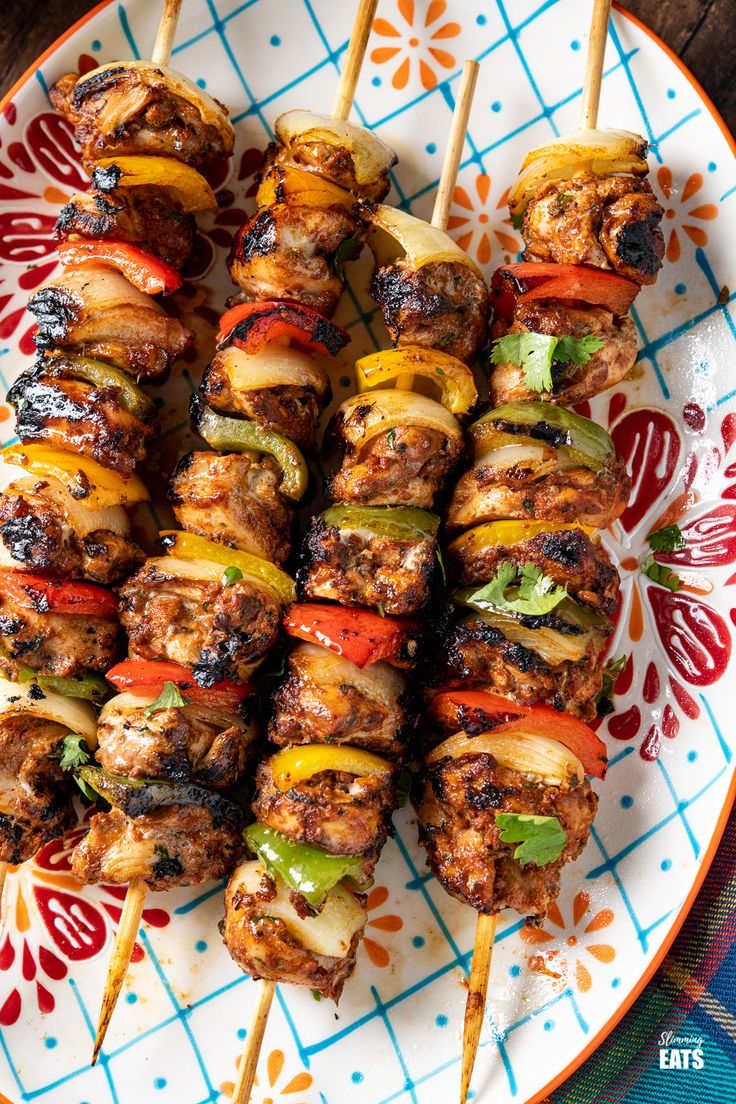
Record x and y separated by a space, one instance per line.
701 32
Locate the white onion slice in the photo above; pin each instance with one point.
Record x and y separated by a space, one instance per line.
329 933
98 289
371 157
365 416
111 519
380 682
539 756
74 713
129 702
421 242
272 366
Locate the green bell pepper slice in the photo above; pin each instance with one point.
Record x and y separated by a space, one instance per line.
307 869
135 401
402 522
581 439
91 687
134 797
242 435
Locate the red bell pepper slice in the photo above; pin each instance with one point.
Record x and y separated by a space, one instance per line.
250 326
473 711
146 272
360 635
520 283
46 594
543 720
147 677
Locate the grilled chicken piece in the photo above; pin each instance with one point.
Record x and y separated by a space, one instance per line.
141 216
326 699
608 222
173 845
569 557
34 796
68 413
578 495
263 946
457 803
333 163
336 811
66 645
97 312
234 499
136 107
441 305
290 410
39 535
356 568
405 467
477 656
573 383
195 743
219 632
286 251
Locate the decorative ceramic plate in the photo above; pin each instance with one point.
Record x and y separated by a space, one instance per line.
556 990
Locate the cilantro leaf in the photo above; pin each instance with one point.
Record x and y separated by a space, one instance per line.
540 838
610 673
75 752
231 575
345 251
661 574
535 595
169 698
534 353
669 539
87 791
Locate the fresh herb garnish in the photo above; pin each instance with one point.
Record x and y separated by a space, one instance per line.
610 673
403 788
669 539
87 791
517 221
540 838
535 594
535 353
231 575
345 251
390 438
661 574
441 562
75 752
561 201
161 852
169 698
316 994
380 610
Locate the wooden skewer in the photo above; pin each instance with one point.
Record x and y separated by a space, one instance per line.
166 30
345 91
127 932
249 1061
480 971
455 143
594 63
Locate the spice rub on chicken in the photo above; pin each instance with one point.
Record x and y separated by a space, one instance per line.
457 802
141 108
610 222
233 499
62 644
172 845
326 699
220 632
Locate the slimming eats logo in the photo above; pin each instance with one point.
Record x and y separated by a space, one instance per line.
680 1052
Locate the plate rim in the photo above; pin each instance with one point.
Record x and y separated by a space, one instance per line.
730 799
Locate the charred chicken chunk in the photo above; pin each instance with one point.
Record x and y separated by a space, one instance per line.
52 406
173 845
442 305
266 934
97 312
34 795
457 803
333 810
37 532
610 222
219 632
138 107
358 568
326 699
141 216
233 499
190 743
66 645
573 383
286 252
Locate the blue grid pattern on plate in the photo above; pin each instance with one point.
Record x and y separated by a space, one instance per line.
218 29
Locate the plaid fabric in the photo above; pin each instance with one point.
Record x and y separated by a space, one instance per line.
692 994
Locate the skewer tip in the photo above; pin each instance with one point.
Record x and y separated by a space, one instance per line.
125 938
480 970
249 1059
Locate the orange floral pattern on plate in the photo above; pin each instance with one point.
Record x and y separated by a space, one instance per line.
387 922
700 211
412 44
472 214
550 960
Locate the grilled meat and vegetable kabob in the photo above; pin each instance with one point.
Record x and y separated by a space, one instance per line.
84 424
504 801
343 717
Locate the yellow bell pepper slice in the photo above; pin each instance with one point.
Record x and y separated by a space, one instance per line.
183 182
191 547
452 380
505 533
300 188
302 761
86 480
